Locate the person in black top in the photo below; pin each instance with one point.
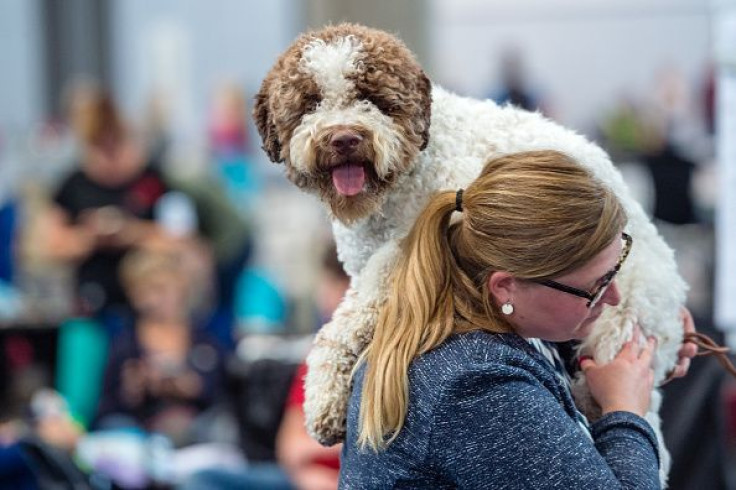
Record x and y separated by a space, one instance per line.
102 209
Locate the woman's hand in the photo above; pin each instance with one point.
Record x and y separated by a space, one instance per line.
688 350
625 383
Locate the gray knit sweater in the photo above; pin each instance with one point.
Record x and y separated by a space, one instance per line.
488 411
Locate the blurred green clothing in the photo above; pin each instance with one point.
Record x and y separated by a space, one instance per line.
226 228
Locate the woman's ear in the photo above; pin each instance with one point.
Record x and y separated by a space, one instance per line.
501 286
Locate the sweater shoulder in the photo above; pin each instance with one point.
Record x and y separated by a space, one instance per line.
477 351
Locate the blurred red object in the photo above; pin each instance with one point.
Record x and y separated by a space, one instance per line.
729 398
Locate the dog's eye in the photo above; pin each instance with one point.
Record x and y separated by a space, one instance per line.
382 105
311 101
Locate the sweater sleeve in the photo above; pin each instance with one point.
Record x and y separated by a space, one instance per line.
625 433
500 427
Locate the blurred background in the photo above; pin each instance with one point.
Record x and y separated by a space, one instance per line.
140 111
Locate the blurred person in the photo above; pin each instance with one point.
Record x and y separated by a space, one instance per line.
669 147
119 198
514 87
674 112
672 174
310 465
302 463
228 132
163 374
103 208
229 145
162 379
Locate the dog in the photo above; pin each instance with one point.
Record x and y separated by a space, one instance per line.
356 122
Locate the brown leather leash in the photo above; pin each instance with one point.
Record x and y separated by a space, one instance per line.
707 347
710 347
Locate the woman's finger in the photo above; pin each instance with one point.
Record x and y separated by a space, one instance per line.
647 352
688 324
630 350
586 362
687 351
681 368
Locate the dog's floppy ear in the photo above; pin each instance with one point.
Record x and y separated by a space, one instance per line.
425 92
264 123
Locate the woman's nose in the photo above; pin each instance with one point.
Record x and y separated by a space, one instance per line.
612 296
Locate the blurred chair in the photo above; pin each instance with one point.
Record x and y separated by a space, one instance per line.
81 357
260 307
258 391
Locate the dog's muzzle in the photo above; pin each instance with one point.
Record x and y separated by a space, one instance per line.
347 152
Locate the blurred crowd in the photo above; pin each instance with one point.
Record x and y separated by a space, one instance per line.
133 314
137 328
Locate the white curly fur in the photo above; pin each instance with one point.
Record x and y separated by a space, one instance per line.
330 64
464 135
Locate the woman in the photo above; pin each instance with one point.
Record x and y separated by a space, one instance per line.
102 209
460 387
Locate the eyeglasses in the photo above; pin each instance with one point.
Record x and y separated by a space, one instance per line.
605 281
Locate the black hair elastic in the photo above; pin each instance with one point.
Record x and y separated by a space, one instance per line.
459 201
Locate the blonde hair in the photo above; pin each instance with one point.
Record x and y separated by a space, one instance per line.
535 214
142 264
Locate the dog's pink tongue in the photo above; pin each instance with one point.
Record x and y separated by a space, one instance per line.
348 179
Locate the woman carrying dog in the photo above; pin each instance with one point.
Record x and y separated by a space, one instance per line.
461 386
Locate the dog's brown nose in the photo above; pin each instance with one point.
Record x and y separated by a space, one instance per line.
345 142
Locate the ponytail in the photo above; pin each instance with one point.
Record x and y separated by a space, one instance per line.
419 314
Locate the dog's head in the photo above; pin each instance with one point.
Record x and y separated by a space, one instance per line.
347 109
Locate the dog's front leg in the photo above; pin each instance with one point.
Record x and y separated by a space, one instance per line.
330 365
338 345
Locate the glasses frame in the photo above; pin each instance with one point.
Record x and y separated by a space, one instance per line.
606 280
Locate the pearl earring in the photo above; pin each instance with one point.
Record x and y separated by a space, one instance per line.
507 308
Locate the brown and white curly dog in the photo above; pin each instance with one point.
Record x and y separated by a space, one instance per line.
356 121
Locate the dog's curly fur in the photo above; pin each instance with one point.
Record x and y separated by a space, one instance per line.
410 138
